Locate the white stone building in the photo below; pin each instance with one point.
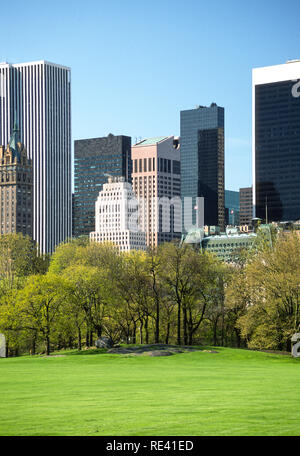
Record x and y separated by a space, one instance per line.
117 216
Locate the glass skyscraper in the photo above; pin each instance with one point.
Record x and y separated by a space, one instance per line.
37 96
94 160
232 207
276 142
202 165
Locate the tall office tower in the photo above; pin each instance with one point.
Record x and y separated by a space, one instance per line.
37 96
117 216
156 183
94 160
246 206
15 187
202 166
276 141
232 207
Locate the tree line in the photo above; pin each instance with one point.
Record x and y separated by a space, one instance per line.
171 294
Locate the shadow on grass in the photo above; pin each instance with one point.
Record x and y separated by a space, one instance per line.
89 351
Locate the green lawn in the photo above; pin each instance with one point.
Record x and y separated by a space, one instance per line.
233 392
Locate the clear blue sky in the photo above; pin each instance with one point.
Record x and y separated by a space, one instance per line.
136 64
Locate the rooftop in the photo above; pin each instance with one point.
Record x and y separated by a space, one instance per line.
41 62
151 141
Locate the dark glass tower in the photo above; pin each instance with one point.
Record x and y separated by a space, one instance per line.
93 160
202 165
276 153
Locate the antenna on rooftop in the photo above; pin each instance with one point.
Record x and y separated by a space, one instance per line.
110 177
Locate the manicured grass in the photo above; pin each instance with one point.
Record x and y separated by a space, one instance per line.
233 392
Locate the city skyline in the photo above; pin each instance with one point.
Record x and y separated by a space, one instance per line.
167 54
37 96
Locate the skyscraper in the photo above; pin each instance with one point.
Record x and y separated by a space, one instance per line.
94 160
202 165
37 96
246 206
276 141
156 183
117 216
232 207
15 187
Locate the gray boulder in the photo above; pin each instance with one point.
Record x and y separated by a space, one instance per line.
104 342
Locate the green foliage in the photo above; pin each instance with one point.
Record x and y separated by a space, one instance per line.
266 296
19 257
171 294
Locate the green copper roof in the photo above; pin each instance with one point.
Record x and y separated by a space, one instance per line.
151 141
15 139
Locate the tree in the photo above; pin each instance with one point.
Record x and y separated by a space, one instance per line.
19 257
38 305
274 293
89 290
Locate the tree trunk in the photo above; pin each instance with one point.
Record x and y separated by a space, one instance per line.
134 334
168 333
146 331
190 333
79 339
141 332
238 337
215 325
87 338
47 345
179 324
185 335
70 342
33 346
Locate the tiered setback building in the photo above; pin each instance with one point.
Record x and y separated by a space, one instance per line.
94 160
38 96
276 141
117 217
202 166
15 187
156 183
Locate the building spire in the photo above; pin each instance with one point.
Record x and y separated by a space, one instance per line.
15 137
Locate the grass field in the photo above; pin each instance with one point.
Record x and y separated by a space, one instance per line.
233 392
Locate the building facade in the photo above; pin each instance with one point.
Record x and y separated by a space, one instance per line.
227 246
94 160
276 142
38 96
16 187
232 208
156 183
117 216
246 206
202 165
